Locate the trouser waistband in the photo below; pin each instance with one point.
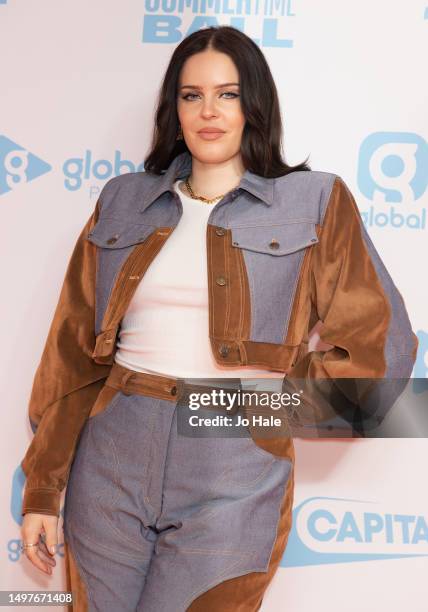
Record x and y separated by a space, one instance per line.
167 387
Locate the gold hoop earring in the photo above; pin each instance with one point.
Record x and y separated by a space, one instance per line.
180 133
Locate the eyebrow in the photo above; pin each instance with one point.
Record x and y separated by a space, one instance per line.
216 87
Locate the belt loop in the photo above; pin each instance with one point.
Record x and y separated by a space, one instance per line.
124 381
178 388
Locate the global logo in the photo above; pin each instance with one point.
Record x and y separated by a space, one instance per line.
392 176
336 530
18 165
78 169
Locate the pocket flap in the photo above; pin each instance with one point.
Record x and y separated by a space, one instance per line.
115 234
275 239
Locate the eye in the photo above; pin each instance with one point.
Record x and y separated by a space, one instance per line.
186 97
230 93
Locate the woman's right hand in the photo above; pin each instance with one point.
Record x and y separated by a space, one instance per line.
43 530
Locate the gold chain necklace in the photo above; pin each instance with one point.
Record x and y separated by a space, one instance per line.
202 198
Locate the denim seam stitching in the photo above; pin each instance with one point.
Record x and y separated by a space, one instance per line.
115 478
146 496
292 297
227 287
108 548
117 531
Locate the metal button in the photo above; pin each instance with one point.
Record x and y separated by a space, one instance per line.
224 350
174 390
220 231
274 244
113 239
220 280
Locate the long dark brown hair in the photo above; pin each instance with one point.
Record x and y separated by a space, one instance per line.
262 135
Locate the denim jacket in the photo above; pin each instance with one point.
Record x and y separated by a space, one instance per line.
282 253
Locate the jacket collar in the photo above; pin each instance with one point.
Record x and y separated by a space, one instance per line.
181 166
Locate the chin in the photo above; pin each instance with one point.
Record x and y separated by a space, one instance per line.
212 154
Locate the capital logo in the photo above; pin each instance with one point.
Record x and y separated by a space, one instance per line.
392 175
17 165
335 530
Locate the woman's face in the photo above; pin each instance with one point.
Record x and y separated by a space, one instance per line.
202 103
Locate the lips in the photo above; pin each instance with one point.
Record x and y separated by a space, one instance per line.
211 131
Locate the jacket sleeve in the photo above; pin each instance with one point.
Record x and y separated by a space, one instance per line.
66 383
363 314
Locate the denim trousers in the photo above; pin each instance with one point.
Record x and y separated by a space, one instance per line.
160 521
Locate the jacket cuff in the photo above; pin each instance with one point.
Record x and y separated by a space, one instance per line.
41 501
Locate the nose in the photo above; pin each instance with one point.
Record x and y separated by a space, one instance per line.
209 106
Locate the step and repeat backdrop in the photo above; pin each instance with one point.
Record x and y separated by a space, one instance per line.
79 82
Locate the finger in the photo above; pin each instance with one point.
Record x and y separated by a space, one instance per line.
45 552
50 525
31 534
46 557
32 555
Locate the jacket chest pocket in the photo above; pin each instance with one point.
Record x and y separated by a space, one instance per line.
112 233
116 240
273 256
276 240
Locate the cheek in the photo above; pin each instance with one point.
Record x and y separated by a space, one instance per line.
186 115
182 110
237 119
238 125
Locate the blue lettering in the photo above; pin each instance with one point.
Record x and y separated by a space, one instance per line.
421 531
389 529
313 530
393 219
373 523
349 529
404 520
161 28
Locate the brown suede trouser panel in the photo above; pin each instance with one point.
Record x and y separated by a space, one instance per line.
74 582
245 593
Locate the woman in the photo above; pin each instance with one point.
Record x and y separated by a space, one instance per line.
214 263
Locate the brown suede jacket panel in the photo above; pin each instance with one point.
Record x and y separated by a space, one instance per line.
336 281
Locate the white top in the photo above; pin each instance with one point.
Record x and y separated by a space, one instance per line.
165 328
